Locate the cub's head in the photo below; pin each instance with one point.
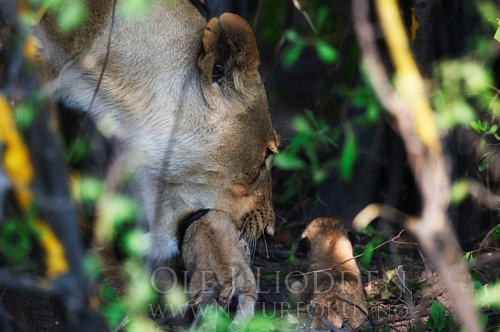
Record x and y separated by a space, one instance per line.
325 243
230 81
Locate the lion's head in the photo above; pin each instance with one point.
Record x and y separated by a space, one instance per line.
186 99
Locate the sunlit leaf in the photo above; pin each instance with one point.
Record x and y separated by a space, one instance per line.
91 189
301 125
459 191
114 313
347 158
122 208
141 290
497 35
132 8
326 52
462 113
73 14
493 129
477 126
292 55
288 161
368 254
477 78
134 242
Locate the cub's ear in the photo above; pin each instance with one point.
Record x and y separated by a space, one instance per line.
303 247
229 60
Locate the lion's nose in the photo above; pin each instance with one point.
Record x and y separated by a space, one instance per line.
270 230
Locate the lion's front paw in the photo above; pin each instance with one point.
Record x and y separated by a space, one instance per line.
226 294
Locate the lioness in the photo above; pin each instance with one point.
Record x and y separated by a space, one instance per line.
218 263
185 98
333 292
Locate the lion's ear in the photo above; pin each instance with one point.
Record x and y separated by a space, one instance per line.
229 59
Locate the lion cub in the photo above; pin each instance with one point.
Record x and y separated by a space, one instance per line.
325 244
217 260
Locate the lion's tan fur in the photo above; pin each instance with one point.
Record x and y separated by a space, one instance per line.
193 143
217 261
328 247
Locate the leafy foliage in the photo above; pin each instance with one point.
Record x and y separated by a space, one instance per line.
439 321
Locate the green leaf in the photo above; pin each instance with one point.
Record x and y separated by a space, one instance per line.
311 118
476 125
347 158
484 161
492 130
297 142
293 36
91 189
78 150
326 52
133 8
496 232
497 35
291 255
368 254
72 15
372 112
288 161
437 315
484 320
292 55
25 114
477 79
134 242
121 209
459 191
301 125
319 175
322 16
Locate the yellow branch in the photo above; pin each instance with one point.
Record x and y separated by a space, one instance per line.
16 159
17 165
408 81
